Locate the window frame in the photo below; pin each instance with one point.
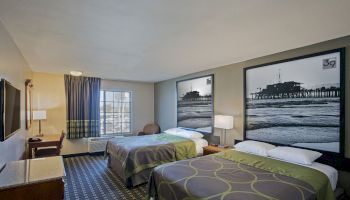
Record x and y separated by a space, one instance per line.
104 133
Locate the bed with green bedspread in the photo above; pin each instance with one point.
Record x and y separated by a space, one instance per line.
139 153
232 175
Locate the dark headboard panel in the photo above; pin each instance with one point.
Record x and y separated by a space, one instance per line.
298 102
237 141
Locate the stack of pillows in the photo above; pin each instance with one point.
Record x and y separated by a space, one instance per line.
289 154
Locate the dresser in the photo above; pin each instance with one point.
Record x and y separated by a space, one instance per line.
40 178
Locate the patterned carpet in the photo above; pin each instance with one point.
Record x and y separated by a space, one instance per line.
88 177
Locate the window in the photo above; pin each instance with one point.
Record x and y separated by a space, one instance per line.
115 112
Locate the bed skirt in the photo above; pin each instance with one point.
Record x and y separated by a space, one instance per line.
136 179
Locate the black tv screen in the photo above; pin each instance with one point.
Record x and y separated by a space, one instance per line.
10 110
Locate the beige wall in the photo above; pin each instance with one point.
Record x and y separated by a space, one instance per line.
14 69
228 83
49 94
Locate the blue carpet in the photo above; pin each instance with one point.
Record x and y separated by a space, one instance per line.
88 177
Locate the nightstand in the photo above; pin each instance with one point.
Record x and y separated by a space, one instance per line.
213 149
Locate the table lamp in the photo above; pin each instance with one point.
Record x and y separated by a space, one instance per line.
39 115
224 122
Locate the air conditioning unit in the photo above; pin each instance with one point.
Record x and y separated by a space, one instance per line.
97 144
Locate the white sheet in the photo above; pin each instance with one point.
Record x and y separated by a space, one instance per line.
329 171
200 143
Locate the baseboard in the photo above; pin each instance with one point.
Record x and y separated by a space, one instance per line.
75 154
97 153
83 154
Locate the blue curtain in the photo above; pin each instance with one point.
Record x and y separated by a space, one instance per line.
83 106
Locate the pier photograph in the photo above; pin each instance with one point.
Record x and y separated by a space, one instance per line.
195 104
295 103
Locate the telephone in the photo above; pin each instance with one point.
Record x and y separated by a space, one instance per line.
35 139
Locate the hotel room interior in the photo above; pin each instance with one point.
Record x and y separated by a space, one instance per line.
175 100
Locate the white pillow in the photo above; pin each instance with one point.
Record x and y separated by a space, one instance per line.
184 133
173 131
295 155
254 147
192 134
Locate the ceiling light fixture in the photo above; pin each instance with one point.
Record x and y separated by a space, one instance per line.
76 73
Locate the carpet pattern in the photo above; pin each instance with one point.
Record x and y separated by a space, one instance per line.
88 177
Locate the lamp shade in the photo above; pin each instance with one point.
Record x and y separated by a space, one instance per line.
223 121
39 114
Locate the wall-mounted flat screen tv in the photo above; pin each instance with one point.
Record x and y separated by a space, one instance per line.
10 110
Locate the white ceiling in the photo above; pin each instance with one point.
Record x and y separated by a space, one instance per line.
153 40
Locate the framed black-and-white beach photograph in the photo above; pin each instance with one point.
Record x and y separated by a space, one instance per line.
195 103
298 102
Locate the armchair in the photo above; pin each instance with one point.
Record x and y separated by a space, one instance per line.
150 129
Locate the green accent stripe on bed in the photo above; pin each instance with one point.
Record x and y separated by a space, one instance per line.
315 178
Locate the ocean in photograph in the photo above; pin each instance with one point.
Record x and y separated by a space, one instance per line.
305 122
195 114
194 104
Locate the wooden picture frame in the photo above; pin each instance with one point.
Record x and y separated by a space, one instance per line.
28 103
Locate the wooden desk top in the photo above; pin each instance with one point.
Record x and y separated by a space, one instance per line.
23 172
46 141
49 138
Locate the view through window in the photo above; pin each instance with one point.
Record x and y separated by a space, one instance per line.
115 112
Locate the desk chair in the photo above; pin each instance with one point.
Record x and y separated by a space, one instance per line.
47 152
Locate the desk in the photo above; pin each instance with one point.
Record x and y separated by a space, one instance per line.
40 178
46 141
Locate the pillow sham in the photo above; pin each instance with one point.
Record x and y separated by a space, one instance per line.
294 155
184 133
173 130
254 147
